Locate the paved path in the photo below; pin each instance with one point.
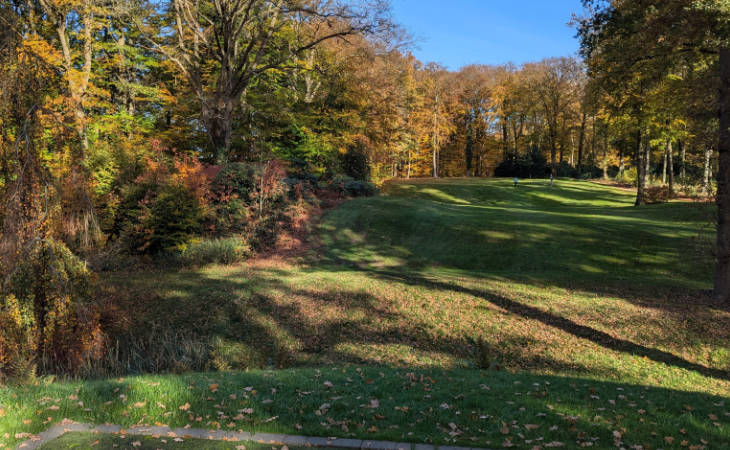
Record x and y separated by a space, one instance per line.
197 433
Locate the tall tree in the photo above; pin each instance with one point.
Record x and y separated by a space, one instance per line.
222 46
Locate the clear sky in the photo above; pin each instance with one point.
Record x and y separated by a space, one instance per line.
456 33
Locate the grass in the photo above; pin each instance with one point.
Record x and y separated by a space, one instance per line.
466 407
569 285
85 441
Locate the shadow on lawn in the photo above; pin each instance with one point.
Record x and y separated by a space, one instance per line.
564 409
580 331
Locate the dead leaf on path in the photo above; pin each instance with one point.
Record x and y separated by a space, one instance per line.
185 407
140 405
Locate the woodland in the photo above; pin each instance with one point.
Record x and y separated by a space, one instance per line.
277 193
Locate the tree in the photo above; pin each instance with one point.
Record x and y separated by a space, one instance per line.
655 37
222 46
554 85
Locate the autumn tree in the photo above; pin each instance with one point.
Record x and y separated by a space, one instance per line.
655 37
222 46
554 84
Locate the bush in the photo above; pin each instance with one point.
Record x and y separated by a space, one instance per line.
160 218
357 188
48 319
531 165
216 251
657 194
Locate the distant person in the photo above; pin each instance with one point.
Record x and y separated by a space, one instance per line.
517 180
551 180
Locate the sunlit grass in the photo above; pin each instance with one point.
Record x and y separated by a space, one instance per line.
569 285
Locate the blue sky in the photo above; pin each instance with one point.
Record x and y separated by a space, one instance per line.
456 33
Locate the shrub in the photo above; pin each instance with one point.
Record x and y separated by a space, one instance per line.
358 188
235 180
531 165
46 304
163 219
174 218
657 194
216 251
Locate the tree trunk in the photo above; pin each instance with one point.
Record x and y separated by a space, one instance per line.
664 165
605 156
469 150
218 122
683 153
706 185
553 152
640 168
408 176
621 164
581 143
505 137
670 154
722 271
593 142
647 160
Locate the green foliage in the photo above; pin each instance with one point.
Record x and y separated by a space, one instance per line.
531 165
160 218
216 251
359 188
355 161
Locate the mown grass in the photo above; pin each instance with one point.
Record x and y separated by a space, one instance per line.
569 285
87 441
467 407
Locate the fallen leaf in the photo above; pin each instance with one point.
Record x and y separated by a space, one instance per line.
184 407
136 444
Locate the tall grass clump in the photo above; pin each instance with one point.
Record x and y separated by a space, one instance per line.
228 250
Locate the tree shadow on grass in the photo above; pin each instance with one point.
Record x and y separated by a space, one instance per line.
580 331
411 405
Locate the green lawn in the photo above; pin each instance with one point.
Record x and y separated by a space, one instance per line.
87 441
592 315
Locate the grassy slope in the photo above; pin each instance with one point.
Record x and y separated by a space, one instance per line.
569 284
